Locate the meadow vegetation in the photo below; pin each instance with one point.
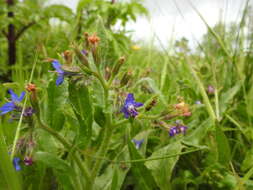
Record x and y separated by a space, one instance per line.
83 106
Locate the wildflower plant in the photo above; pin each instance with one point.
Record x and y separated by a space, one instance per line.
92 118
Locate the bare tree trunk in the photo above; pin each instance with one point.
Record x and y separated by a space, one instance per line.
11 36
11 45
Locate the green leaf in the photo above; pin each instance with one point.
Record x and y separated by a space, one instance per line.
58 11
162 169
228 96
56 100
224 152
114 180
82 4
195 137
54 162
8 174
59 121
141 173
114 175
64 180
81 103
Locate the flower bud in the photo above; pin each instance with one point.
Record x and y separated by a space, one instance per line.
82 57
95 55
125 79
31 87
183 109
117 66
86 36
33 90
68 56
151 104
107 73
210 89
28 160
28 112
93 39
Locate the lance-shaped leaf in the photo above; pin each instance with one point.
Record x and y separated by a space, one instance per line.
82 106
162 169
56 101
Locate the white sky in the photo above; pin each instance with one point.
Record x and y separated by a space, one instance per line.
173 19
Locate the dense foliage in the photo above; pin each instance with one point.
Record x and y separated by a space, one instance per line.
83 107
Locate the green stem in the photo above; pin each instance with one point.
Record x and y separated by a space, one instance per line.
23 109
18 130
160 157
141 116
98 75
216 93
108 129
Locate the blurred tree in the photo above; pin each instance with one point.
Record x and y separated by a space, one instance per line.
182 46
19 16
112 12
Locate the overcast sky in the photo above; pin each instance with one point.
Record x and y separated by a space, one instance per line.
173 19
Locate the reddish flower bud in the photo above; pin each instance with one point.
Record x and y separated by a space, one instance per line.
93 39
31 87
68 56
28 160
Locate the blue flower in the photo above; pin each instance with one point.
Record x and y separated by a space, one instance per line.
138 143
177 130
10 106
129 108
173 131
16 165
61 73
